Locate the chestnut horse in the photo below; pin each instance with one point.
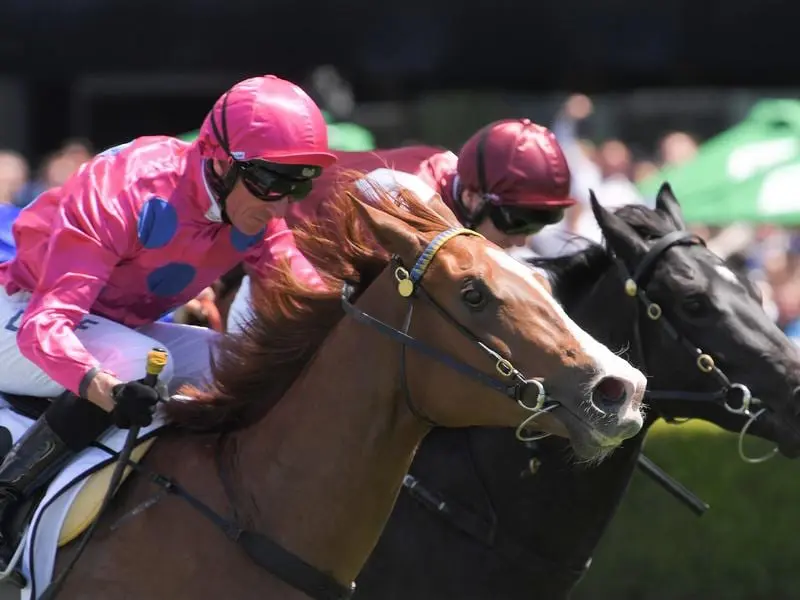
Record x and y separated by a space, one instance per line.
298 450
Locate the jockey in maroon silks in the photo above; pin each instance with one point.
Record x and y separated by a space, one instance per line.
509 180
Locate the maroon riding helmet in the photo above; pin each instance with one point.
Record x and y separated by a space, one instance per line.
520 171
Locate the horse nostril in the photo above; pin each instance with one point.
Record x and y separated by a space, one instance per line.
609 390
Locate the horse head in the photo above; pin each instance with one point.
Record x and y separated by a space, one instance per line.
479 312
728 362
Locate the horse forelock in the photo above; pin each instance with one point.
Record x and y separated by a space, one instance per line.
255 367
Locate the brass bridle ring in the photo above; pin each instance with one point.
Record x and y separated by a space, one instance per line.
504 367
705 363
747 397
541 396
654 311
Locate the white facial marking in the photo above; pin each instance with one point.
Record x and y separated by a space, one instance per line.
606 362
727 274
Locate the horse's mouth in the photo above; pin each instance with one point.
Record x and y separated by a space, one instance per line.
588 442
781 428
787 433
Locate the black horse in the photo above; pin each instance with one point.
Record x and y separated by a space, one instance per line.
483 516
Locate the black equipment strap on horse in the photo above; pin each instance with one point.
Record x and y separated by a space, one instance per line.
672 485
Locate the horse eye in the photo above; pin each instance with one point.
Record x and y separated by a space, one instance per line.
473 294
695 306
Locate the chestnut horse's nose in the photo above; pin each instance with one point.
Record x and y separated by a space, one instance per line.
610 392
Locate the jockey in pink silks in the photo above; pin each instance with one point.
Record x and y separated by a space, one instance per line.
139 230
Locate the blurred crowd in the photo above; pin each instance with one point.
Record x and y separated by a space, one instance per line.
769 255
20 184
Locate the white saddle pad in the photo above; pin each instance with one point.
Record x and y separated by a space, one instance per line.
41 539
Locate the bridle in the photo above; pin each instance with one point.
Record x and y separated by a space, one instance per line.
528 393
736 398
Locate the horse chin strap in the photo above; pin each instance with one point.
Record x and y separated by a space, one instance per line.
736 398
530 394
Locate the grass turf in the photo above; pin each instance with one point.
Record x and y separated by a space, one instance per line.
743 548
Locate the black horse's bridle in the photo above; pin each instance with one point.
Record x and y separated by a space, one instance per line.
734 397
528 393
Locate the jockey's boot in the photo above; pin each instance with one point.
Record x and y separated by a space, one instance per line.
68 426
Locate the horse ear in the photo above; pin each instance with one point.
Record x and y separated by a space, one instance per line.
395 236
667 203
620 237
437 204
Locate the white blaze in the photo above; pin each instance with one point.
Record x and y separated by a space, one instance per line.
727 274
606 362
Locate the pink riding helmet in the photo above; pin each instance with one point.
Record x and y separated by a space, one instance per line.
267 118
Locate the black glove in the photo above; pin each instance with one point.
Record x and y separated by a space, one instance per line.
135 404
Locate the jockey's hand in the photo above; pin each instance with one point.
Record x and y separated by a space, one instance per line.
198 306
134 403
202 308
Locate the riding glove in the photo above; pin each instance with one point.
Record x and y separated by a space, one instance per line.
135 404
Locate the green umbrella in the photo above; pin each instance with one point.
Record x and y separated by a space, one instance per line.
723 182
769 197
344 136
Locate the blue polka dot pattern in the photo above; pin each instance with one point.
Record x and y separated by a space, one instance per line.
171 279
158 223
242 242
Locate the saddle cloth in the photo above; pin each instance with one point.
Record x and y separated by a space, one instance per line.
72 500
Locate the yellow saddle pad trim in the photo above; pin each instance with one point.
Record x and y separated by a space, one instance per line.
87 503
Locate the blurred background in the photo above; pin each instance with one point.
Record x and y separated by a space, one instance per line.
702 93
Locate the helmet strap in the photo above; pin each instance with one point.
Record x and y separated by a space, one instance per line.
469 218
472 219
222 185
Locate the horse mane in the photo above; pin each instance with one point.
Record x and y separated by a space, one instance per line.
572 274
254 368
647 222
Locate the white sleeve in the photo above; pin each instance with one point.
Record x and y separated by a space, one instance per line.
393 182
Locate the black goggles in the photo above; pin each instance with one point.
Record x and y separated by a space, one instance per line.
513 220
271 182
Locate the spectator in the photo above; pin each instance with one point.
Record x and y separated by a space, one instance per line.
677 148
13 175
55 169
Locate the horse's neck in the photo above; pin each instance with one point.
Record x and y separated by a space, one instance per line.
573 504
581 502
321 472
605 312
